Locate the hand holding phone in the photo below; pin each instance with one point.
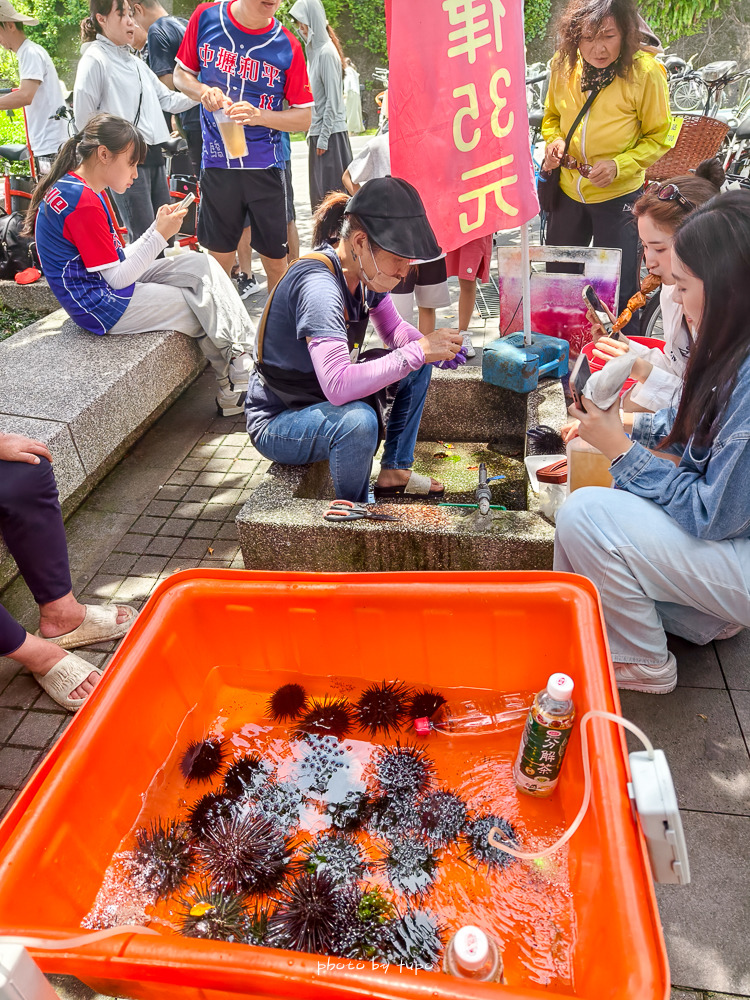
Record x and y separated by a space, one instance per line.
603 317
187 201
578 378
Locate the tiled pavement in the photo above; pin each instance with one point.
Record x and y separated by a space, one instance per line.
170 505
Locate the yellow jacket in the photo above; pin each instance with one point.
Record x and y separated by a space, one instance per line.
628 123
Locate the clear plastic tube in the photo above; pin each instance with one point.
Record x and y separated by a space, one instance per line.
496 837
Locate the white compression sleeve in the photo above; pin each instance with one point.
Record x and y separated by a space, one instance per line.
138 256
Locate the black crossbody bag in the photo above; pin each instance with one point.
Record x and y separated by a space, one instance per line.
548 190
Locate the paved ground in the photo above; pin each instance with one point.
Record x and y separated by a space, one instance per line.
171 504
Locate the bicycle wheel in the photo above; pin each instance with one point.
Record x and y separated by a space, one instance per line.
689 95
651 318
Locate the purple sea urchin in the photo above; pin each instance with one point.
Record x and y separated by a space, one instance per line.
202 760
409 866
442 816
215 914
413 940
404 770
476 832
164 854
362 916
208 809
392 815
307 916
350 813
382 708
335 854
247 854
286 703
424 703
326 717
246 775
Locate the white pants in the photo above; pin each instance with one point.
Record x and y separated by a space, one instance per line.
191 293
652 575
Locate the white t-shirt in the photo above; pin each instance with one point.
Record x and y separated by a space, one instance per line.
663 387
45 134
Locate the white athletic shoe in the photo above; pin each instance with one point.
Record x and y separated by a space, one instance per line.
651 680
230 402
239 371
468 346
247 285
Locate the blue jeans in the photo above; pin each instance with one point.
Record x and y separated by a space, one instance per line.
347 436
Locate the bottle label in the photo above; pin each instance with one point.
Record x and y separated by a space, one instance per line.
541 753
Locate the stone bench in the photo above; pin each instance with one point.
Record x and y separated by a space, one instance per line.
87 398
38 297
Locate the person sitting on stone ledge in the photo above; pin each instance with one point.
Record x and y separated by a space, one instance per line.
31 525
313 396
669 548
108 289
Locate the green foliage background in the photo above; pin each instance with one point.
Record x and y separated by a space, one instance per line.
675 20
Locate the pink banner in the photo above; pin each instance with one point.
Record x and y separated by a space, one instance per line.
459 128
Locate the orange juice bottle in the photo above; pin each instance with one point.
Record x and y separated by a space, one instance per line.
545 738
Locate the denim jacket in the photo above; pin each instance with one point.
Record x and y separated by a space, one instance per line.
707 493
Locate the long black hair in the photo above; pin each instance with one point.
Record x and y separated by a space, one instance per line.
714 244
102 130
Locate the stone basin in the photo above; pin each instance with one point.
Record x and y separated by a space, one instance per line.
282 527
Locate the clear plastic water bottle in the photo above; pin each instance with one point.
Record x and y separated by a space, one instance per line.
472 954
482 717
545 738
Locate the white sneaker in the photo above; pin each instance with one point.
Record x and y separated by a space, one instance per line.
247 285
468 346
651 680
239 371
230 402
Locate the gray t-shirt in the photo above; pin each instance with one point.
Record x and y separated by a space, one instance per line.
45 134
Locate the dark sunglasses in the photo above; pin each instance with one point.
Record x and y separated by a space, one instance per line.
571 163
670 192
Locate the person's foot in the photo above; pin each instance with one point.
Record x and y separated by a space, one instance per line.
55 621
40 656
651 680
467 344
247 285
229 403
400 477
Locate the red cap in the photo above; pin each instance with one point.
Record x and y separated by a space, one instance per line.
422 726
28 276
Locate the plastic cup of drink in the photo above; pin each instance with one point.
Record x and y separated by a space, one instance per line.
232 134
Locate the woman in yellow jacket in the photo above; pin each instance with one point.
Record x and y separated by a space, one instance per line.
620 136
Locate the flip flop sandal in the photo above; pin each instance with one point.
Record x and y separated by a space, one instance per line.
99 625
415 488
65 677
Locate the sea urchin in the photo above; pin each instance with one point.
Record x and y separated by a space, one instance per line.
381 708
424 703
202 759
326 717
215 914
442 816
410 866
476 832
246 774
287 702
164 855
244 854
404 770
307 916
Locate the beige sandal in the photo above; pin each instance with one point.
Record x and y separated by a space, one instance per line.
65 677
416 487
99 625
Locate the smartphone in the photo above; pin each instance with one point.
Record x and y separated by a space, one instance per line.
578 378
188 200
592 299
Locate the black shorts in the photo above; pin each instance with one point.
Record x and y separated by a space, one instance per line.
291 214
232 199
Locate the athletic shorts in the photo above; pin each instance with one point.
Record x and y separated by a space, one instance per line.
234 198
429 282
472 260
291 215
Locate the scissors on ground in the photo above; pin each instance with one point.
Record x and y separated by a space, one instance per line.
345 510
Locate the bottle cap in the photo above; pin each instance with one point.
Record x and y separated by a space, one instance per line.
422 726
560 687
471 947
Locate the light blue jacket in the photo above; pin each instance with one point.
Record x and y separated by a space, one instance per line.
707 493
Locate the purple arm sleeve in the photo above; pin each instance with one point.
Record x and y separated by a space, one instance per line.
343 382
391 328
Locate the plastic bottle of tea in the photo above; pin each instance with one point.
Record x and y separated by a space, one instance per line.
545 738
472 954
489 714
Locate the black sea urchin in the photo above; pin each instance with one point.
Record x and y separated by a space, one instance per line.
281 803
413 940
164 854
248 854
393 815
257 925
476 832
202 760
246 775
404 770
424 703
362 915
215 914
350 813
409 866
335 854
209 808
286 703
382 708
442 816
326 717
307 916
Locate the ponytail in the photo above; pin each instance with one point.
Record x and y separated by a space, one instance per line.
328 218
337 44
116 134
89 29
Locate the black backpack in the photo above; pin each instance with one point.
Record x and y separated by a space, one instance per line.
17 252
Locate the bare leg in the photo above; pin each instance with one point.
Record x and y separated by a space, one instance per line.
275 269
245 252
39 656
292 235
467 298
226 260
426 320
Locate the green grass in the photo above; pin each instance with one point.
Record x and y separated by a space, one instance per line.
13 320
13 130
300 136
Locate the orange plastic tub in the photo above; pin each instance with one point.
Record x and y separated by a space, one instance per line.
503 631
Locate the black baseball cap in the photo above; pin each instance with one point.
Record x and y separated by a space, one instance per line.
393 216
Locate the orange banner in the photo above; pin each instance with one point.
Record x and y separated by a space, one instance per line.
459 128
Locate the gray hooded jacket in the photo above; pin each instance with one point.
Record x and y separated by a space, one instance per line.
324 70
